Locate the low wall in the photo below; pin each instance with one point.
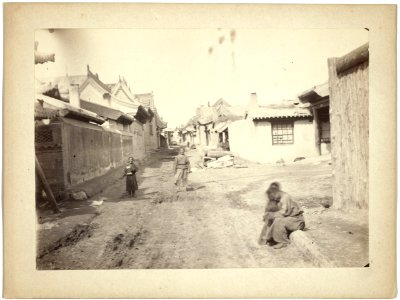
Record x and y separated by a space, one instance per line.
91 151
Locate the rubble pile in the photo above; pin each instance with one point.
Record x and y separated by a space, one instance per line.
224 161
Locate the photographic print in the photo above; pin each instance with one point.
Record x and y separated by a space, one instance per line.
199 151
164 149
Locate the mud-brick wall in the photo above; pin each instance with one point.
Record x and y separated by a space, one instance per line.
349 98
138 140
127 145
72 152
89 151
150 135
48 149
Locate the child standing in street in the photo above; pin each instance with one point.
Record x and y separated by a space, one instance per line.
181 169
130 174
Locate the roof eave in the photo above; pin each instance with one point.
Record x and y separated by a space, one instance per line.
282 117
80 116
125 119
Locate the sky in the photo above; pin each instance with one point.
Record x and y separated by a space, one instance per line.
186 68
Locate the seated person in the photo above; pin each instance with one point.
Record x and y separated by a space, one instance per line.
282 216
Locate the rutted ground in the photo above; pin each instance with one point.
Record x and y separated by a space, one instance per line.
215 225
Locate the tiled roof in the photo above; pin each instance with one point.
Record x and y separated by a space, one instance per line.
220 113
222 102
106 112
189 128
192 122
220 127
274 112
67 110
122 87
144 99
160 123
63 82
207 115
315 93
111 85
231 113
96 78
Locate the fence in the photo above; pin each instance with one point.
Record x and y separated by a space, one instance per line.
72 152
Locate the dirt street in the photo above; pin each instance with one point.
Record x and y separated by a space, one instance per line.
213 225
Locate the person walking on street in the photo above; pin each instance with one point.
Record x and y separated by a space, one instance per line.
130 174
181 169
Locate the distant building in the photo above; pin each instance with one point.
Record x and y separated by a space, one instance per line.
318 100
274 132
97 96
155 124
212 128
84 128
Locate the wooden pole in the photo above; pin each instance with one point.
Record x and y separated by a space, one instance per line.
316 131
46 186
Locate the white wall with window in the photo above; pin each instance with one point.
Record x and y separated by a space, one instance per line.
270 140
282 132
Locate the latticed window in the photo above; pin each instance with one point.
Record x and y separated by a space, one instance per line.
282 133
43 135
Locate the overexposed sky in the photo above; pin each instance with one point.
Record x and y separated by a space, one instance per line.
177 66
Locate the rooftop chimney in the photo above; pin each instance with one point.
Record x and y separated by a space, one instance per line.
107 98
253 102
74 98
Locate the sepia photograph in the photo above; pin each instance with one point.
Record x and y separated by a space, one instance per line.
159 150
201 148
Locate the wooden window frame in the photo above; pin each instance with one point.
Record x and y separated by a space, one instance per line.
282 132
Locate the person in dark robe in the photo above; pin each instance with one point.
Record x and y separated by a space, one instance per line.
130 174
181 169
282 216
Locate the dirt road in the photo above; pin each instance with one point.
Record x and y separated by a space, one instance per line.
215 225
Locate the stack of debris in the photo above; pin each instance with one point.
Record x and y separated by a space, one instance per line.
221 162
217 159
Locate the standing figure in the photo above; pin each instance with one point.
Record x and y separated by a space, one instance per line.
130 174
282 217
181 169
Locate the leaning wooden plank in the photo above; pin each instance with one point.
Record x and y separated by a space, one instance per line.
46 186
